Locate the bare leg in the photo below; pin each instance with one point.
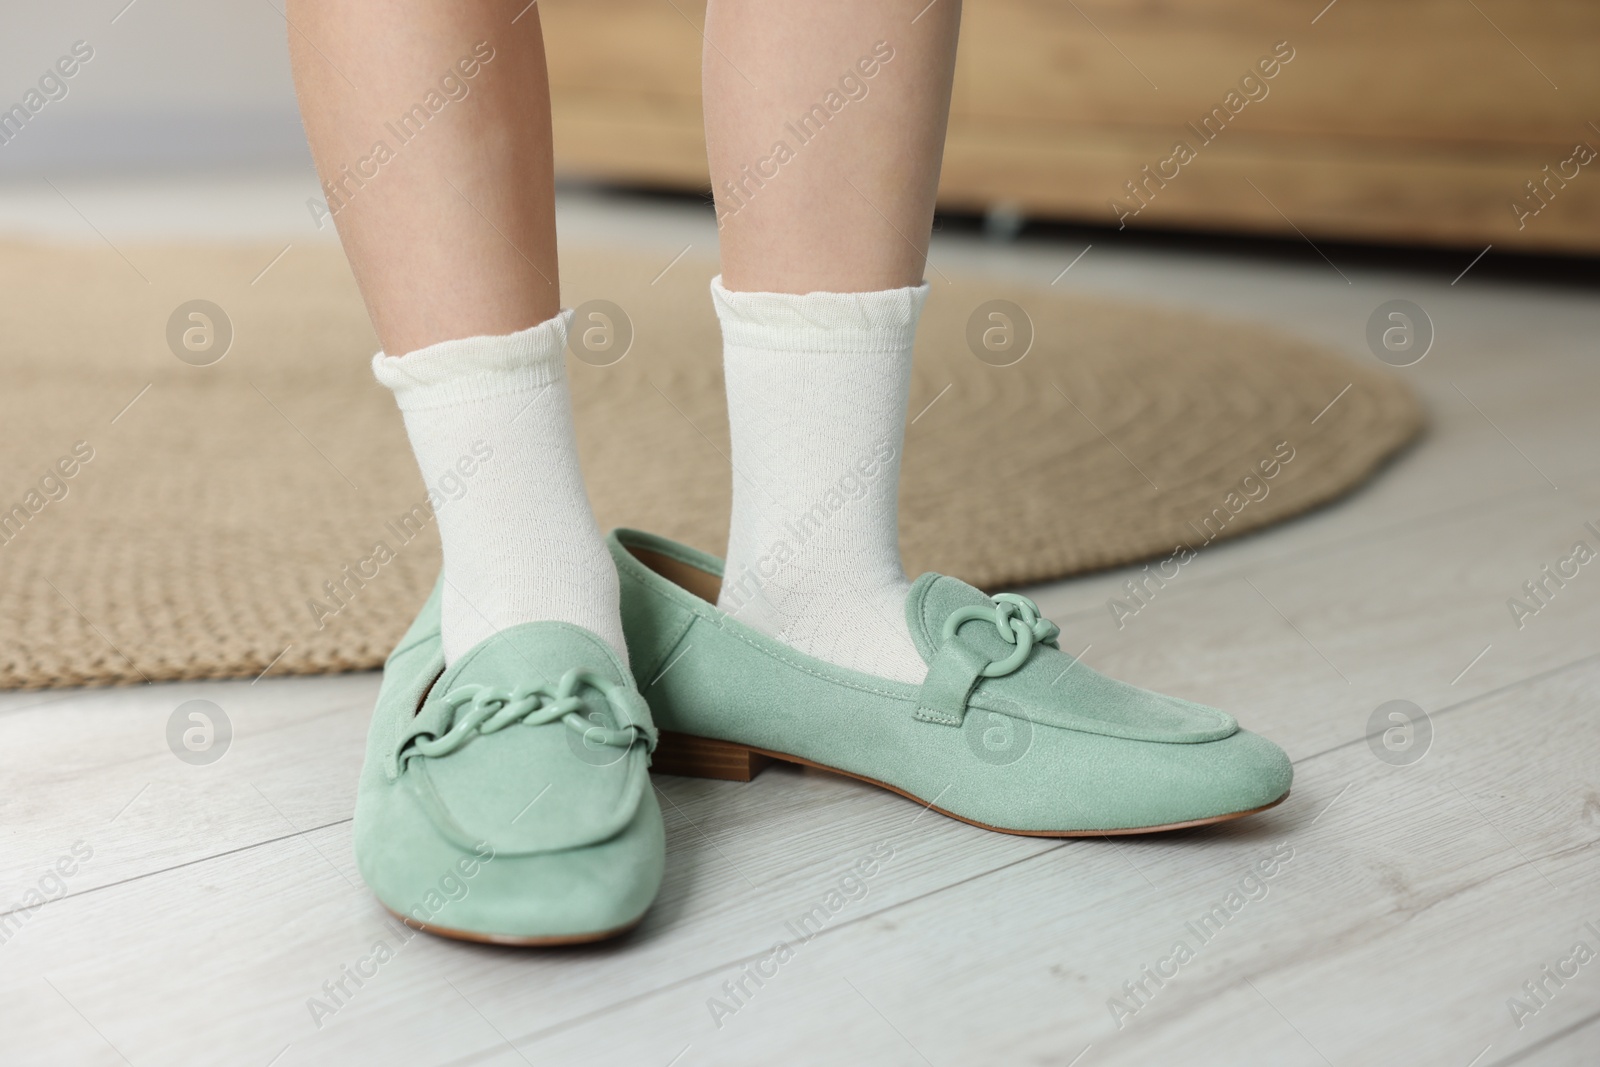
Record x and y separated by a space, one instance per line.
453 236
852 210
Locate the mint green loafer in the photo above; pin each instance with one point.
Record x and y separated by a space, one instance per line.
508 799
1007 732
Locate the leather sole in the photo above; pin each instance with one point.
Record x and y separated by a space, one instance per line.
514 940
704 757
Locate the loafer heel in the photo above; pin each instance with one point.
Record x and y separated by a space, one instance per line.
703 757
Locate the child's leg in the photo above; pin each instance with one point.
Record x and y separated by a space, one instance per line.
851 211
430 124
825 171
454 236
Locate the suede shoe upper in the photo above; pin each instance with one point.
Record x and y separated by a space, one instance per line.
1006 730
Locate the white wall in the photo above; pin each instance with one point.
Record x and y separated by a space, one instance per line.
172 85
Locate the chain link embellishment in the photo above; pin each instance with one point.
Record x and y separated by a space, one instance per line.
490 708
1017 620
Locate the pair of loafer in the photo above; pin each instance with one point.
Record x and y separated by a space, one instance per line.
507 799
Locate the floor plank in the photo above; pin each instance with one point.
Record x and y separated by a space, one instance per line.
1416 901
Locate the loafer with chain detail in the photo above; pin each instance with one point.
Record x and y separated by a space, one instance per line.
1007 732
508 799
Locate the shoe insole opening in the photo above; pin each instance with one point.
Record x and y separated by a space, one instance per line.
427 691
702 584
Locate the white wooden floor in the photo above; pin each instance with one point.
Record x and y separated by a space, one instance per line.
216 901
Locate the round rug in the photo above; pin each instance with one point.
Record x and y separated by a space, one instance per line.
202 480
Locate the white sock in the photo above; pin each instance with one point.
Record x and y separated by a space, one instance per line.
490 421
817 391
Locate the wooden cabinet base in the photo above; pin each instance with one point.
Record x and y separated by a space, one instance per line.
1408 123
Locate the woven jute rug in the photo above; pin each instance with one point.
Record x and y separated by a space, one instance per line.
170 514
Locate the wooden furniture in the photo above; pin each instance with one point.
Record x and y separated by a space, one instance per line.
1422 121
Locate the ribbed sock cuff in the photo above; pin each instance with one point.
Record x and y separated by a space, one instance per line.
884 321
469 369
